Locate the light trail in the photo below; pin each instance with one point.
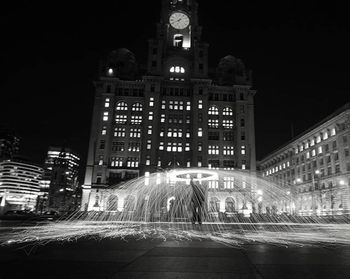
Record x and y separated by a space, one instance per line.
140 201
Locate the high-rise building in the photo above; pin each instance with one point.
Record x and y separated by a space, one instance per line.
314 169
9 144
60 180
19 185
176 114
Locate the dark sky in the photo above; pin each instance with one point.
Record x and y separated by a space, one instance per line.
299 54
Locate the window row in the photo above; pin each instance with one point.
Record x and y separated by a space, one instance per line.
214 124
315 140
123 106
130 162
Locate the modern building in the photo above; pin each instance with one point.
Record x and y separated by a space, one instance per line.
60 180
19 185
176 115
314 168
9 144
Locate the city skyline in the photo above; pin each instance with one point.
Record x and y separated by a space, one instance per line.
296 60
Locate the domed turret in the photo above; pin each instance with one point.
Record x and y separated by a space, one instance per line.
232 71
121 63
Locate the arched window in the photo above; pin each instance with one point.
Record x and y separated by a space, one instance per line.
230 205
122 106
214 204
177 70
112 203
227 111
213 110
136 107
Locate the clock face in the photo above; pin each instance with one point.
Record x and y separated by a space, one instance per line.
179 20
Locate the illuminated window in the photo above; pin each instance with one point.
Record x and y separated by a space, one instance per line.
243 150
151 102
116 161
104 131
333 132
188 106
213 123
161 145
227 111
307 155
320 150
132 162
107 103
121 119
213 184
119 132
313 152
134 147
136 119
148 160
188 134
150 115
168 147
161 134
228 150
149 144
187 148
325 135
162 118
118 146
200 104
110 72
318 139
135 133
177 69
229 182
163 104
188 164
122 106
213 110
213 150
306 145
178 40
100 160
227 124
149 130
136 107
312 143
200 132
105 116
200 146
243 167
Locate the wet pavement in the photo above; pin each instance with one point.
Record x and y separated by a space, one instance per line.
147 258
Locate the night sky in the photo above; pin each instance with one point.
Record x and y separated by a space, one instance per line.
299 54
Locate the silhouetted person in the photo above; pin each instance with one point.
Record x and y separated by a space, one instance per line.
197 202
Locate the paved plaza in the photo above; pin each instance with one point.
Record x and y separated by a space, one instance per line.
154 258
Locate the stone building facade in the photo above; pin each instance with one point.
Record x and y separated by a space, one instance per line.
314 168
175 115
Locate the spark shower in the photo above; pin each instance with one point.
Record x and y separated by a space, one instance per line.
240 208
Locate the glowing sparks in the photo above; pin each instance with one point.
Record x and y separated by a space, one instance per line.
249 210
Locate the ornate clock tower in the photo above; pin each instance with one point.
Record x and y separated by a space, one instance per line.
178 43
174 116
